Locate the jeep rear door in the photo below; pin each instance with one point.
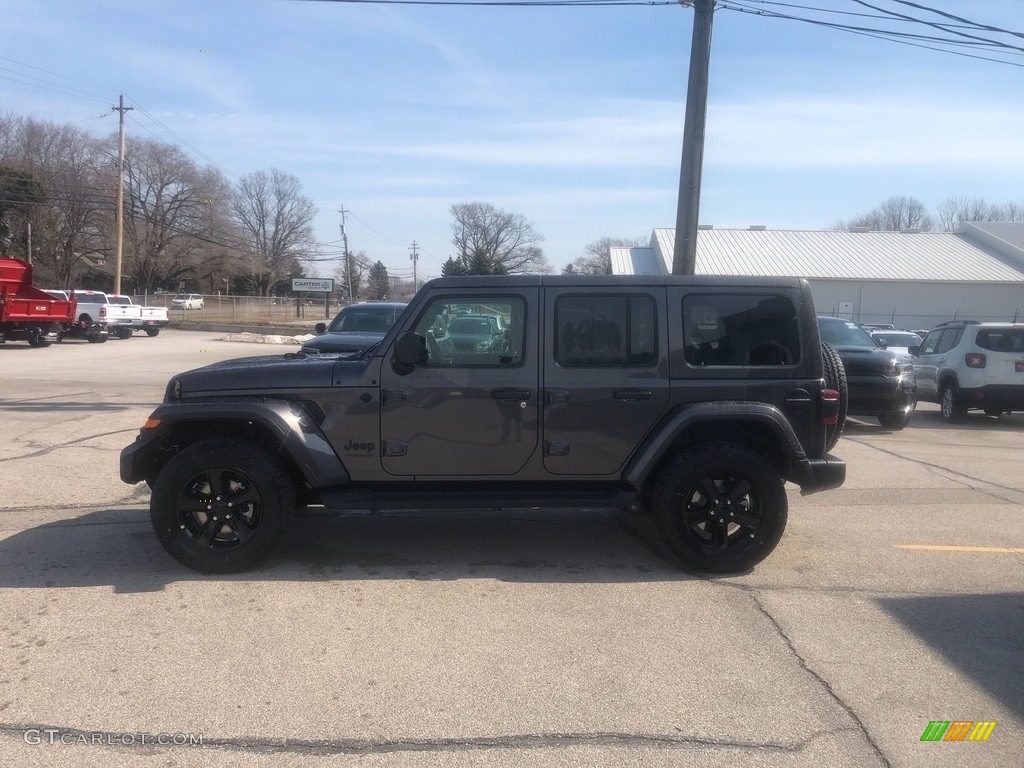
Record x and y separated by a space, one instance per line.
471 409
605 375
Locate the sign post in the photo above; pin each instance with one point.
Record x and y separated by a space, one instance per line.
324 285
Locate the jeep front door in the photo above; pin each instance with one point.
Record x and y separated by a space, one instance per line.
471 406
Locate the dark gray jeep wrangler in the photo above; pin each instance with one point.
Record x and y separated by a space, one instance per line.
693 398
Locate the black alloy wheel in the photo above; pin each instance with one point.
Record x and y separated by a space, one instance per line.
721 507
221 505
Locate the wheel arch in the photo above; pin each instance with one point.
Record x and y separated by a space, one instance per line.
286 431
760 427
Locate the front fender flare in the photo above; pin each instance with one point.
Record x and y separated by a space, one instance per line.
288 422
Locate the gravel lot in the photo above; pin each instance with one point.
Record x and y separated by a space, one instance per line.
487 638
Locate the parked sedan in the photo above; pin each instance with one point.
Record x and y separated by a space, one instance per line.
355 328
881 382
187 301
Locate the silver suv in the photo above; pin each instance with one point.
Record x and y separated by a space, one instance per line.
967 364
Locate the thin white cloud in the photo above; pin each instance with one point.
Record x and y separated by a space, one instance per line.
850 133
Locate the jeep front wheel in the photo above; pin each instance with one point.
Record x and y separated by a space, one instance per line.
721 507
221 505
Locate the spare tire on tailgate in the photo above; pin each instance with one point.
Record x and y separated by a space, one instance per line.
835 378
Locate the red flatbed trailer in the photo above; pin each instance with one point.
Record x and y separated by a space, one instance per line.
26 312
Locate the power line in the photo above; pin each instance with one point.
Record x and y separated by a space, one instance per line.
887 35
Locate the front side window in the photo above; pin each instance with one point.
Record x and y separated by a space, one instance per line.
605 330
740 329
485 331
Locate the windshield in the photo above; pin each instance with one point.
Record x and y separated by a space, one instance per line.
365 319
897 339
470 326
844 333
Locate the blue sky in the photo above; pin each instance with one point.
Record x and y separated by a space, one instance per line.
572 117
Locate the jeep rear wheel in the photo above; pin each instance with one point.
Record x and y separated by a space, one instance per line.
721 507
221 505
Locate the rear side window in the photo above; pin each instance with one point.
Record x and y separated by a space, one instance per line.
605 330
1001 339
740 330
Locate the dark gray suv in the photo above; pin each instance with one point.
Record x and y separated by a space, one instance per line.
692 398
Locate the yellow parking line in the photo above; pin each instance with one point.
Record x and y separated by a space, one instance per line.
940 548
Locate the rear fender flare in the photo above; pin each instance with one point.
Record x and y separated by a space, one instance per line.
673 429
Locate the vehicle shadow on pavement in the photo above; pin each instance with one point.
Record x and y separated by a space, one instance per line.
118 548
973 420
979 635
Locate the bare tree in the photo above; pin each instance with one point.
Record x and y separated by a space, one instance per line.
894 214
954 211
164 215
598 255
489 239
277 220
358 265
67 221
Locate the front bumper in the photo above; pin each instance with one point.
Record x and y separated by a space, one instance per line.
878 395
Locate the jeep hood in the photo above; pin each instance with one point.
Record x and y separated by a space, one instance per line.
265 375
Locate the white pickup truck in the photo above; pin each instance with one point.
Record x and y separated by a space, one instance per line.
96 306
151 319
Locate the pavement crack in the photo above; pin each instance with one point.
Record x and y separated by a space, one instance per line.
65 444
825 684
140 741
968 481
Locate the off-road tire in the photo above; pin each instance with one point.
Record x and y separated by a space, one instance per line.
721 507
219 474
835 378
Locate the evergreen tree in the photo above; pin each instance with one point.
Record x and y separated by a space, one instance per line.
378 284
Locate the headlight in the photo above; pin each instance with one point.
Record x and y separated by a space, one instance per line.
173 393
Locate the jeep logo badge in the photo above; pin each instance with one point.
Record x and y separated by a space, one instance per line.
354 447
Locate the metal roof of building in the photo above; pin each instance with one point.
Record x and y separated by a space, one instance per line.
832 254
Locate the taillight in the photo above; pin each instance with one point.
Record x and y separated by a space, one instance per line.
975 360
830 406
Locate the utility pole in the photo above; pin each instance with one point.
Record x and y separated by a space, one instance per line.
684 257
348 260
29 242
415 256
119 213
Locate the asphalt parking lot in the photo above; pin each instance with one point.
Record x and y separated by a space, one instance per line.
485 638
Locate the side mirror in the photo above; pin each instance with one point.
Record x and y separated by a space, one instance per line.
410 349
914 349
320 329
882 343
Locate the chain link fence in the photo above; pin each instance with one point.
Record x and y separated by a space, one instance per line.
244 309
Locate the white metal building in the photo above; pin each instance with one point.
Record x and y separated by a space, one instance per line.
910 279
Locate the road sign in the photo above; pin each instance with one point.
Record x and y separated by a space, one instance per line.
318 284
